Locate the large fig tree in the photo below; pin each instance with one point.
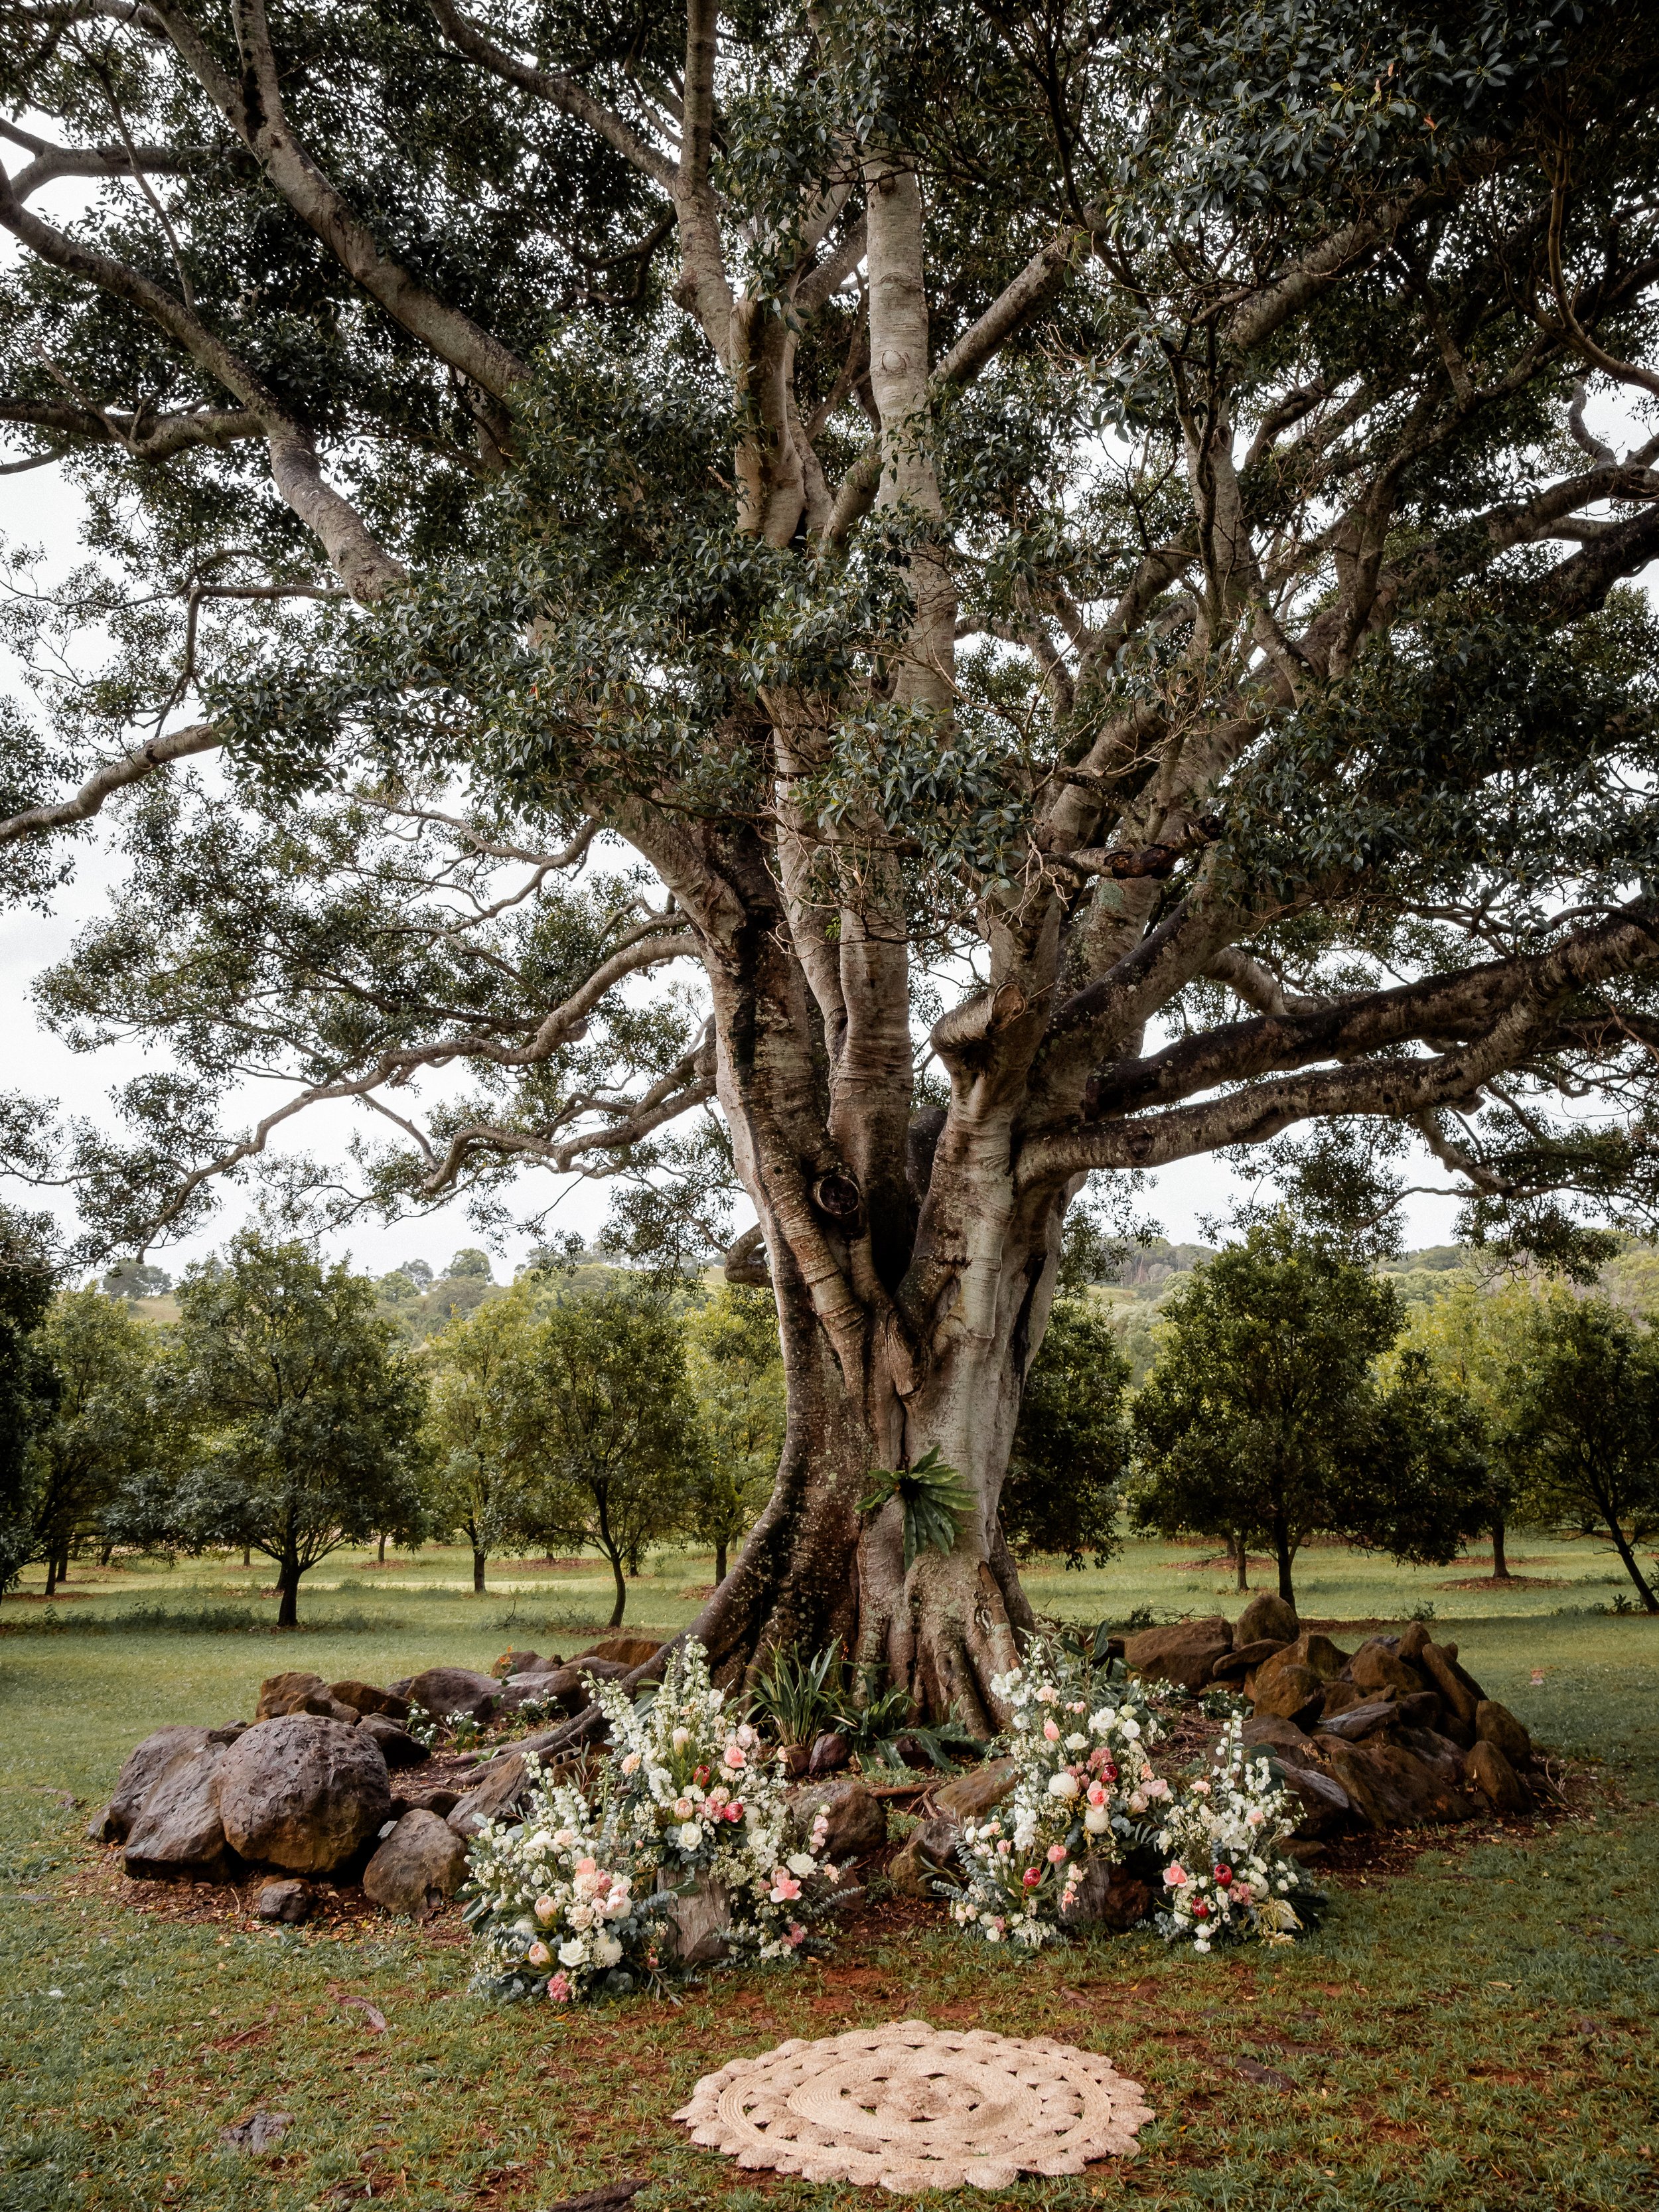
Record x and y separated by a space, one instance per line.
1070 566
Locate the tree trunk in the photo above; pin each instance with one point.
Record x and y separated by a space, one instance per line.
380 1555
1241 1562
620 1606
1284 1554
247 1555
719 1561
478 1559
1500 1565
287 1593
51 1573
1633 1567
106 1551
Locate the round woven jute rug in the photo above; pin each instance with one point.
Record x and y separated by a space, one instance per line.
910 2106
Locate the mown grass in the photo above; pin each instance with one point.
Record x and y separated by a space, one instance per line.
1474 2036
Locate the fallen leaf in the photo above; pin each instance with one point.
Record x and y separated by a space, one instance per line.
256 2133
371 2013
1268 2075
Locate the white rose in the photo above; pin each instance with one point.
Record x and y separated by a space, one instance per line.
1096 1820
580 1915
1062 1785
802 1863
1131 1728
609 1950
1076 1742
571 1953
691 1835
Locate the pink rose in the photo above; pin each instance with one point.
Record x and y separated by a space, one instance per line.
1242 1892
1051 1731
1056 1853
587 1866
733 1811
1096 1793
559 1990
735 1757
1176 1875
785 1888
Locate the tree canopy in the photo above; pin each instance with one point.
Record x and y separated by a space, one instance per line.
1069 574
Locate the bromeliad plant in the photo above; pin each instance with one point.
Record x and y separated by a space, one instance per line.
935 1500
1084 1790
1229 1877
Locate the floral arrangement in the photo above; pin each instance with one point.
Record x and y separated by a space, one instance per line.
701 1797
1084 1790
1229 1877
581 1899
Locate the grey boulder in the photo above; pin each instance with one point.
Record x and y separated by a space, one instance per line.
396 1747
177 1834
442 1691
856 1822
418 1866
302 1793
145 1764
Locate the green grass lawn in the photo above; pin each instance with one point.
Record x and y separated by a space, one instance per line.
1476 2033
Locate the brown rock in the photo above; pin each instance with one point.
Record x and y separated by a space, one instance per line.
1439 1751
418 1866
1377 1666
1361 1720
302 1793
696 1926
1390 1788
363 1698
431 1797
1324 1803
1243 1658
1266 1615
1107 1899
1494 1777
562 1690
1184 1653
145 1764
289 1902
1448 1679
287 1694
624 1652
858 1821
1292 1693
971 1796
1412 1637
177 1834
1311 1649
1496 1724
928 1854
1341 1697
1462 1732
1271 1732
442 1691
521 1662
830 1753
396 1747
503 1784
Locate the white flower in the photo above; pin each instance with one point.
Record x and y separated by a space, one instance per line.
609 1950
572 1952
691 1835
580 1915
680 1737
801 1863
1096 1820
1076 1742
1129 1727
1063 1785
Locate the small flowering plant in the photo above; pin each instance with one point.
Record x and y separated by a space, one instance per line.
563 1904
1085 1789
701 1797
1228 1876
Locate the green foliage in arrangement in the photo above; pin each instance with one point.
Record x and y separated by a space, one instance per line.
1262 1418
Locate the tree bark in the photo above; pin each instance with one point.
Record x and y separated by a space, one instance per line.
381 1554
287 1593
51 1573
247 1555
478 1559
1500 1565
1283 1554
1632 1566
719 1561
621 1581
1241 1560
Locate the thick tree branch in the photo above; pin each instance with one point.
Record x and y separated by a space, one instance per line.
131 767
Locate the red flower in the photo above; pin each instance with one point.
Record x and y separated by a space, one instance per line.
1200 1911
1223 1874
700 1776
1032 1877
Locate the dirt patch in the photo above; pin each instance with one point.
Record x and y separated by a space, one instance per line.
545 1566
1503 1582
61 1596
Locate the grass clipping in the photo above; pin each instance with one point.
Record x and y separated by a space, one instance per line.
910 2106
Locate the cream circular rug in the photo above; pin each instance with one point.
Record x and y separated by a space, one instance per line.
910 2106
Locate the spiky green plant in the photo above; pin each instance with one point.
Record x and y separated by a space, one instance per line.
935 1499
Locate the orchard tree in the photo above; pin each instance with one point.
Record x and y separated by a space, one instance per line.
736 1368
1071 569
103 1437
1585 1395
608 1425
1262 1417
1475 1339
1071 1448
28 1387
304 1412
479 1369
